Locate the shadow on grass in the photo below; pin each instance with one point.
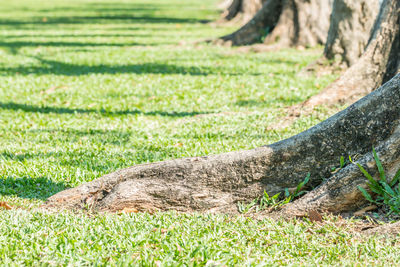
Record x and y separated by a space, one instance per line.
93 160
267 103
69 136
123 18
61 110
76 35
14 46
31 188
69 69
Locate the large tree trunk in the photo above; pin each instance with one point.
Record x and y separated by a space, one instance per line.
217 183
379 63
350 28
241 10
286 23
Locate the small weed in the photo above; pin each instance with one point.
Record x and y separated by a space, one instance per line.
269 201
274 201
245 208
342 162
387 192
298 191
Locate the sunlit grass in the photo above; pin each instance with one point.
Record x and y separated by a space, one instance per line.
90 87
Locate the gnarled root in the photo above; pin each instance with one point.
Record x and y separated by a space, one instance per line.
217 183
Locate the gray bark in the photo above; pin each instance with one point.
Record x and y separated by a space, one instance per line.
242 10
302 23
217 183
262 22
232 10
350 28
379 63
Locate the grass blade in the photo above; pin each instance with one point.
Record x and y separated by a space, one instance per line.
379 165
395 178
369 177
366 194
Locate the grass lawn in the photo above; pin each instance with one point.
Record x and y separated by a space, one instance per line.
92 86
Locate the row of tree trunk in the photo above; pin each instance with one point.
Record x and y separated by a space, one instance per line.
344 26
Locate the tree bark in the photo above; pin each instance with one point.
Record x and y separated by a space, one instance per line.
241 10
350 28
262 22
286 23
217 183
379 63
231 10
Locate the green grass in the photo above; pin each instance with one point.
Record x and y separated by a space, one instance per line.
92 86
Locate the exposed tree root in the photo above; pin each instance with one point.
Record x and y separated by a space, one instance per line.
340 192
385 230
217 183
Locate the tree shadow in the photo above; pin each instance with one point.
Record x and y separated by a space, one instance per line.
266 103
14 46
123 18
39 188
61 110
69 69
114 137
75 35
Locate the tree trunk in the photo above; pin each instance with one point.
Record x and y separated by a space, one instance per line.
379 63
217 183
350 28
254 30
231 10
287 23
241 10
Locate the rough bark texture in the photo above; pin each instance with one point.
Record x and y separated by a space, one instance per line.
287 23
217 183
231 10
262 22
241 10
350 28
302 23
377 65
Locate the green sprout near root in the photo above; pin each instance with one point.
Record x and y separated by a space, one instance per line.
275 201
386 191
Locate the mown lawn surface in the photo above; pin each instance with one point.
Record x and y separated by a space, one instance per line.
92 86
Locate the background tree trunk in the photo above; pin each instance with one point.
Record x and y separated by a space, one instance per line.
241 10
231 10
302 23
379 63
253 31
350 28
287 23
